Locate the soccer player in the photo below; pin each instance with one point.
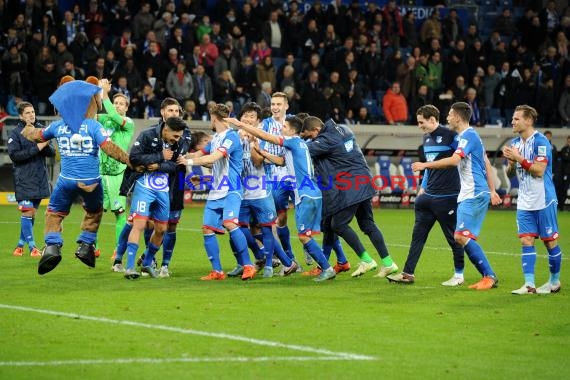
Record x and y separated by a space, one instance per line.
282 194
79 138
168 108
308 198
153 150
120 129
30 176
224 198
437 198
530 155
477 189
257 201
337 156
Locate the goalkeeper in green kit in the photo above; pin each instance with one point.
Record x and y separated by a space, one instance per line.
121 129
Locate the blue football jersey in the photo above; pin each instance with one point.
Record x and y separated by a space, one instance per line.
226 171
300 167
79 160
535 193
472 171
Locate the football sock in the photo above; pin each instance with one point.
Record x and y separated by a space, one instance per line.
122 244
87 237
364 256
235 252
387 261
168 247
528 259
268 240
251 243
316 253
285 239
554 261
147 235
149 254
213 251
478 258
22 240
27 231
280 253
132 249
120 221
53 238
240 243
339 251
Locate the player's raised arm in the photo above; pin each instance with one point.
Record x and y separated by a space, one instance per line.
254 131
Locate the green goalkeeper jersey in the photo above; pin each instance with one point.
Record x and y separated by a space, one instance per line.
121 130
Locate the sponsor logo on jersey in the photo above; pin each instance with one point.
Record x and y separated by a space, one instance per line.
542 150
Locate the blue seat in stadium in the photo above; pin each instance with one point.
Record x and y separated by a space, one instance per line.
373 108
412 182
385 169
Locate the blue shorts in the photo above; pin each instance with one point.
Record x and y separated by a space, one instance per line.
261 211
538 223
174 216
28 205
67 190
282 195
470 215
308 215
150 204
222 210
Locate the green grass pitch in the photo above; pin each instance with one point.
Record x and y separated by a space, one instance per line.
85 323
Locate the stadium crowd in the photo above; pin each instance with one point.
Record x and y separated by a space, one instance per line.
355 63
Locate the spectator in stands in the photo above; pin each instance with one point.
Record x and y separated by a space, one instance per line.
363 117
431 28
410 38
459 88
45 83
293 100
143 21
355 91
203 90
70 69
121 16
456 64
550 19
564 103
14 67
476 57
94 21
208 53
435 71
312 39
179 83
288 78
564 174
247 77
395 105
504 23
546 103
471 35
405 75
345 66
264 97
224 88
226 61
394 25
312 97
478 117
420 99
265 71
452 28
178 41
274 34
314 65
190 112
422 70
259 51
150 103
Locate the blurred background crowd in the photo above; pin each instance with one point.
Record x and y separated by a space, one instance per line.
357 62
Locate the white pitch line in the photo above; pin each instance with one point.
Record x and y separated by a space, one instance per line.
260 342
239 359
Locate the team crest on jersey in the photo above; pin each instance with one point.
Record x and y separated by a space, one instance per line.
549 230
462 225
542 150
227 143
462 143
104 132
439 139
